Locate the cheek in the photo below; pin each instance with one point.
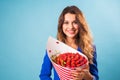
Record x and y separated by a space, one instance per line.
76 26
63 28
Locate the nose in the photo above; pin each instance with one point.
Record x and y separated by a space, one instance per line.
71 25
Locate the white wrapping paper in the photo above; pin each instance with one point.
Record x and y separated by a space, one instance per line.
56 47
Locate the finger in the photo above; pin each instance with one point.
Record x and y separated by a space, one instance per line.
85 70
77 78
79 75
86 66
78 69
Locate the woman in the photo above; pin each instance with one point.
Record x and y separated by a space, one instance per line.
74 31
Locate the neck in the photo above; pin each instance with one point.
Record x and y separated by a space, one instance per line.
71 42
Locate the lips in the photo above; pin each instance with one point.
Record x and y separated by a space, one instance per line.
71 31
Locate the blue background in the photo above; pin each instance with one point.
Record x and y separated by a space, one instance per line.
25 26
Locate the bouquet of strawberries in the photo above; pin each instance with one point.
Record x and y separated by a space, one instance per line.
64 58
69 59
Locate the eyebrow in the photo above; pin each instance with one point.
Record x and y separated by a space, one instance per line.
72 21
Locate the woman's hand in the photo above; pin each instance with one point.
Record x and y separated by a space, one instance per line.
82 74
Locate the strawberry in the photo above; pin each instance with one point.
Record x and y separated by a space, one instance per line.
70 60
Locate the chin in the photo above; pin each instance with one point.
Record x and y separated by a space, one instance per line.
71 36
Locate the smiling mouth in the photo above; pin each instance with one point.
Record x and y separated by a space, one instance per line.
71 31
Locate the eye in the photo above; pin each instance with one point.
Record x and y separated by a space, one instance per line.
75 22
66 22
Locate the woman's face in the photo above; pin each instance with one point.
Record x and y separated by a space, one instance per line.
70 25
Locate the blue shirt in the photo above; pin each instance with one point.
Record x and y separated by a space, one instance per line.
46 70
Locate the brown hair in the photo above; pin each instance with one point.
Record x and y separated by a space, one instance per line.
83 38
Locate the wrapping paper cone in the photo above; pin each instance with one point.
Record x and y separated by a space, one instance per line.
56 47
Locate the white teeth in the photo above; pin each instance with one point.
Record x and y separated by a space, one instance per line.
71 31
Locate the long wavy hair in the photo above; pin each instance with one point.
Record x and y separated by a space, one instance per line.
84 38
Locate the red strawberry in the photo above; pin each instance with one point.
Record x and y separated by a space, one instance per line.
72 64
76 56
69 59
